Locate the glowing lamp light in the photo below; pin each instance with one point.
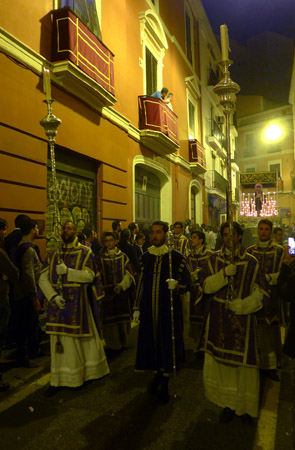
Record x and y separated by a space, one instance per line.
273 132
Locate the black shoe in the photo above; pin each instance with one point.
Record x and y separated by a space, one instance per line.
273 375
227 415
246 419
52 390
26 363
39 354
163 395
155 384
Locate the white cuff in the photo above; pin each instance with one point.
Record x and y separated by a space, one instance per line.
126 282
273 278
46 286
247 305
215 282
80 276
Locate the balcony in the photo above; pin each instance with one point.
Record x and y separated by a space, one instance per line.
158 126
197 157
217 183
82 64
217 139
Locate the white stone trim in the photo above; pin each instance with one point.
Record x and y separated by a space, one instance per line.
13 47
195 183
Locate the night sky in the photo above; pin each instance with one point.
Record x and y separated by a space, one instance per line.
262 36
246 18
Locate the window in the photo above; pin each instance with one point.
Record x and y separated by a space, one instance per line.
191 120
154 45
87 12
151 67
250 169
189 36
275 167
249 144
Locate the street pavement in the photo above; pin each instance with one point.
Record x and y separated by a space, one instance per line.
116 413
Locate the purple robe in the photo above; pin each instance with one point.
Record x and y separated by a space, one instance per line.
154 347
81 298
270 260
197 261
115 308
231 338
180 243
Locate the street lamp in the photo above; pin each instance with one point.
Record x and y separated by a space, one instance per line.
273 132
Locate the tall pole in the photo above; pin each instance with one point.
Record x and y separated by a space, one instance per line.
226 89
50 123
170 245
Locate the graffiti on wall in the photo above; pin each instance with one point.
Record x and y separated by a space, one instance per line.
75 203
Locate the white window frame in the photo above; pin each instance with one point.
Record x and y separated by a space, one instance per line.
250 166
152 37
152 5
193 95
276 161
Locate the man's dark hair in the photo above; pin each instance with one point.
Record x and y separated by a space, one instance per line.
125 235
139 236
164 90
3 224
178 223
27 225
81 238
265 222
200 234
276 229
164 225
236 225
116 224
19 219
88 229
132 226
109 233
70 221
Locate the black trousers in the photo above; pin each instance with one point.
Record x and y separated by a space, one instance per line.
27 323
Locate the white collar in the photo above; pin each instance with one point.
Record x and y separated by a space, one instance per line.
158 251
264 244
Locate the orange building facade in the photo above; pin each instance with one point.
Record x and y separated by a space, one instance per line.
115 157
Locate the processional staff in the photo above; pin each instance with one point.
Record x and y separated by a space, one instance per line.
170 247
50 123
226 89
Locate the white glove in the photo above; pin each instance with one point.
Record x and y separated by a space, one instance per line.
61 269
268 277
195 275
117 289
59 301
136 315
230 270
172 284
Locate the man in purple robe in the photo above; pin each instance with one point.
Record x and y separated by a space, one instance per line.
196 261
73 289
270 257
231 375
155 350
118 282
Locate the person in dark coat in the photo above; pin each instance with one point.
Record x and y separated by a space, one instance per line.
155 349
